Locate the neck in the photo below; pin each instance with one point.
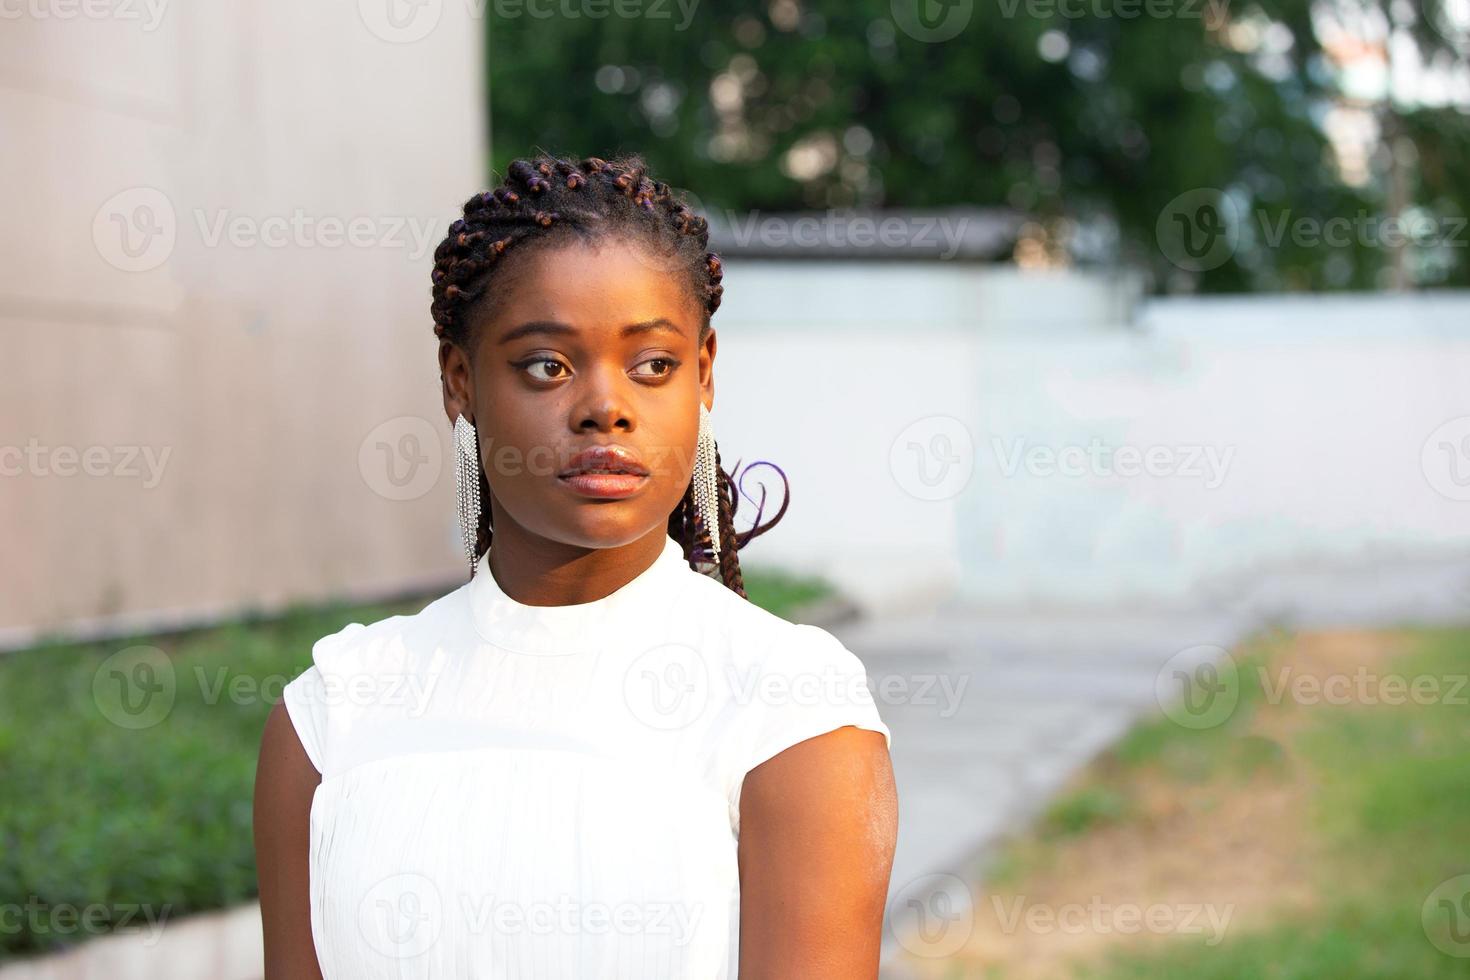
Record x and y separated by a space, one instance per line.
539 571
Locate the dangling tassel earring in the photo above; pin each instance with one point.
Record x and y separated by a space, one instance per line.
467 477
706 481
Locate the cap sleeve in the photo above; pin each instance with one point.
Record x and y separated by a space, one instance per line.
319 718
807 687
307 707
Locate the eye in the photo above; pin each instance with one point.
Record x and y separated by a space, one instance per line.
665 366
551 364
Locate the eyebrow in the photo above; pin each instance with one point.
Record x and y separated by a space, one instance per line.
555 328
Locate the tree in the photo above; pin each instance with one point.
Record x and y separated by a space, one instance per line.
1118 126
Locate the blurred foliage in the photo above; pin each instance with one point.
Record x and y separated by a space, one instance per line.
1073 112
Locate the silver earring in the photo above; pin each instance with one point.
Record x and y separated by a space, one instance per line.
706 480
467 476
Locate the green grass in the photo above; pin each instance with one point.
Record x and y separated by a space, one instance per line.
1391 807
1193 755
1082 810
95 811
780 592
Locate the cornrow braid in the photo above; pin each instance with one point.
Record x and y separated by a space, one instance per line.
593 197
546 199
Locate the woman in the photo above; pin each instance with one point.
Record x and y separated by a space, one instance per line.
596 758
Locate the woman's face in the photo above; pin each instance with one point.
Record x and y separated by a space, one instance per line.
584 345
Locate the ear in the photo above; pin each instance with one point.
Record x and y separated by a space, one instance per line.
458 381
707 370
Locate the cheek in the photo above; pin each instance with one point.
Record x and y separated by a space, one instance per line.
511 420
514 448
677 457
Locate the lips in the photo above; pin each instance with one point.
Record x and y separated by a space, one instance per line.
606 459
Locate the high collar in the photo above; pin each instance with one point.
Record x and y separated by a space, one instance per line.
580 627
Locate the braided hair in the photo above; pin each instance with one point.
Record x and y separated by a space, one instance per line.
545 199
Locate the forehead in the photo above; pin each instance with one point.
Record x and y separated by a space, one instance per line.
597 287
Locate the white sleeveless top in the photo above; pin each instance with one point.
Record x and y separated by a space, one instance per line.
514 791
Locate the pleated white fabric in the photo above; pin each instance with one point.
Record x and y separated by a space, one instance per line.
513 791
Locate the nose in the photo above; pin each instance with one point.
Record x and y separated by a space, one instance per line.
601 405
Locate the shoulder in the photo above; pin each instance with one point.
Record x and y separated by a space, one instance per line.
778 683
751 634
386 643
362 645
363 669
756 639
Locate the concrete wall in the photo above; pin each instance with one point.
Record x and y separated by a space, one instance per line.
950 431
218 359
